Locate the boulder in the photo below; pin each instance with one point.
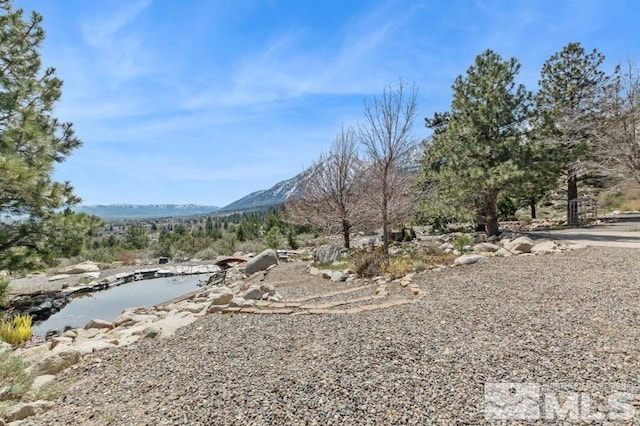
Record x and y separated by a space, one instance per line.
152 331
446 247
338 276
91 346
222 297
470 259
326 254
486 248
249 303
276 298
40 381
192 307
236 302
129 318
81 268
503 252
520 244
268 289
544 247
23 410
212 309
313 271
86 333
252 293
60 340
92 275
171 323
98 323
55 362
261 262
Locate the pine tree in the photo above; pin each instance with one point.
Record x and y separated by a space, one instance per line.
32 141
568 105
477 145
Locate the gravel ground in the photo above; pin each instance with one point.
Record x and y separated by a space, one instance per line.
569 318
292 281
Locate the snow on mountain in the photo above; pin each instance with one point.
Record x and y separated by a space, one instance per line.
277 194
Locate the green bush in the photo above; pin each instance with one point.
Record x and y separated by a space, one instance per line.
461 242
4 292
274 238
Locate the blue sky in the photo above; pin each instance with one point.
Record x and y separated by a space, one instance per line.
201 101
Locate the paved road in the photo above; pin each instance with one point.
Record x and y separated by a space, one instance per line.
619 231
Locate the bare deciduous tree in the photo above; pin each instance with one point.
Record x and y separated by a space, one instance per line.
331 195
386 136
621 142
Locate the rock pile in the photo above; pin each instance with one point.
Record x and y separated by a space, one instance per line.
508 245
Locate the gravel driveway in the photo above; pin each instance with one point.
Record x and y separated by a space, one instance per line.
567 318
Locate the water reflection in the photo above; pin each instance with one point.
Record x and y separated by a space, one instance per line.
108 304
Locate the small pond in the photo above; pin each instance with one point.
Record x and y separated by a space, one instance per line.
110 303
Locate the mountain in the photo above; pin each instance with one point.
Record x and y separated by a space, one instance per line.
277 194
151 211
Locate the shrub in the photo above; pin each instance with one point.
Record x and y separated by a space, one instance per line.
461 242
16 330
630 205
399 267
368 263
128 258
419 265
207 254
49 391
432 249
253 246
4 292
15 376
274 238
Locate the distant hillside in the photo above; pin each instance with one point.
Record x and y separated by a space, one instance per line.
282 191
277 194
132 211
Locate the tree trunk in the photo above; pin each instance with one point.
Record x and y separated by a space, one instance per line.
491 214
345 234
532 203
572 194
385 234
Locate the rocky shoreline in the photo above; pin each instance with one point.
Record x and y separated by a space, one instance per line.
41 304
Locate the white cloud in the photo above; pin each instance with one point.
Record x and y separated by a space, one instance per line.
352 62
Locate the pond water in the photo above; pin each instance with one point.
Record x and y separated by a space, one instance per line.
109 304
